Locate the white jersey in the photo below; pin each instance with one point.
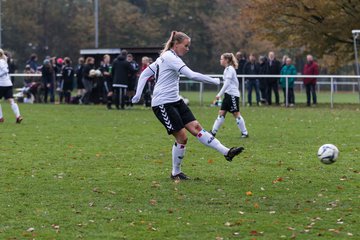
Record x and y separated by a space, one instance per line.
4 74
167 75
231 83
166 70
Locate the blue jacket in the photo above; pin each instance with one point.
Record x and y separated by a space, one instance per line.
288 70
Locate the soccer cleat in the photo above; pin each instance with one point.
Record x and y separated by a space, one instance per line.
2 120
234 151
244 135
19 119
180 176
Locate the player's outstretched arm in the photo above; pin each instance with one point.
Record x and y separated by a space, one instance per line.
144 76
198 76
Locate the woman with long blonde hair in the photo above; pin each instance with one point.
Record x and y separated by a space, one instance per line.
6 88
170 109
231 93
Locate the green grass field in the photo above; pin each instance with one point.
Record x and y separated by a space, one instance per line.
82 172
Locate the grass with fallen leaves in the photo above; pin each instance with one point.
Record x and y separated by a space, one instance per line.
82 172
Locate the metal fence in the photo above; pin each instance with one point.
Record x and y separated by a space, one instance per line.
333 83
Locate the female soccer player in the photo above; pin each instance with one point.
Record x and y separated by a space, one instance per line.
6 88
232 94
171 111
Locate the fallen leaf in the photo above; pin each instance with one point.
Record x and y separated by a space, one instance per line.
280 179
153 202
248 193
256 205
30 229
210 161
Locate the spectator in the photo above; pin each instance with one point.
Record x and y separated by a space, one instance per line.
288 69
132 78
240 57
310 68
58 66
263 69
67 81
33 62
252 68
6 88
283 62
121 70
105 69
48 79
241 60
11 64
79 78
147 92
88 79
274 67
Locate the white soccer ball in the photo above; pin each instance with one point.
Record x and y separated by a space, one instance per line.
328 153
92 73
98 73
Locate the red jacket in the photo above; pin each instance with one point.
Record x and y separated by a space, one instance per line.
310 68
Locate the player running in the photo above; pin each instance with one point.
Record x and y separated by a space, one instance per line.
6 88
171 111
231 91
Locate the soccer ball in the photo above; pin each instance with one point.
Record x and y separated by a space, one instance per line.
92 73
328 153
97 73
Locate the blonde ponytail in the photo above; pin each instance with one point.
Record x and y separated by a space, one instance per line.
2 54
231 59
175 37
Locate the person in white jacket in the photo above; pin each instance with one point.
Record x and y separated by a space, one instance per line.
6 88
170 109
231 93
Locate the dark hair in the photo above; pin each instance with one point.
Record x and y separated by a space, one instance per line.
124 53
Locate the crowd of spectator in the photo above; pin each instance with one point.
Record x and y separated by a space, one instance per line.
264 87
95 84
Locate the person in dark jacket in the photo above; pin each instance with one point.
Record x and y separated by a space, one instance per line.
252 68
240 70
105 69
33 62
79 78
48 79
274 68
132 78
120 72
263 69
88 79
67 81
310 68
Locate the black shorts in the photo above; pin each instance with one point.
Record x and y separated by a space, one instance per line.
230 103
174 116
6 92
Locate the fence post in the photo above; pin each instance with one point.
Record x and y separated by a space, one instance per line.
332 91
201 93
243 90
286 91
